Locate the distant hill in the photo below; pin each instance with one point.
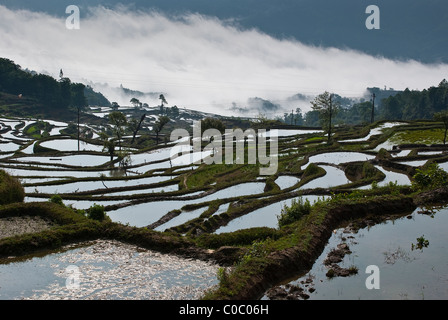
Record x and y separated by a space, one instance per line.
95 98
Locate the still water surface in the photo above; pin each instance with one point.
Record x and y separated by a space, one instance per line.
404 273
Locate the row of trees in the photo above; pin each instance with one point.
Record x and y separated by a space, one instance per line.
172 112
121 125
385 104
326 107
414 104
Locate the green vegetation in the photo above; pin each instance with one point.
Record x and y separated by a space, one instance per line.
11 189
420 136
254 254
292 213
96 212
38 130
43 88
421 243
430 177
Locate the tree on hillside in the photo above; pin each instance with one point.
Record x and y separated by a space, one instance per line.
115 105
160 123
108 144
212 123
162 102
79 101
135 125
119 121
325 105
443 117
135 102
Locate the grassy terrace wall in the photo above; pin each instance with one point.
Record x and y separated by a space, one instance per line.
70 226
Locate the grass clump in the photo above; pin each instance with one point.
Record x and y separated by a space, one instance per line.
296 211
11 190
96 212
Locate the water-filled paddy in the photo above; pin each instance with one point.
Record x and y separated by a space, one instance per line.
82 186
144 214
404 273
106 270
263 217
340 157
71 145
333 177
285 182
80 160
376 131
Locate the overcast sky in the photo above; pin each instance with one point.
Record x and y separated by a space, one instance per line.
200 62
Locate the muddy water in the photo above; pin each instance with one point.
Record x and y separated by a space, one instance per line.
404 273
106 270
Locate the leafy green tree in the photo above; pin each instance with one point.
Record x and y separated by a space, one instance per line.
327 108
135 102
115 106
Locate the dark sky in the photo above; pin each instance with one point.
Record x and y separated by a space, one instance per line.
409 29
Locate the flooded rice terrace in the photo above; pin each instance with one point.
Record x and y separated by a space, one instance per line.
148 189
405 270
105 270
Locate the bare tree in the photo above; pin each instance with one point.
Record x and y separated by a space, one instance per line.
160 123
327 108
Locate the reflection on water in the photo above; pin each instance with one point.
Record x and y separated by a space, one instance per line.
404 273
80 160
81 186
144 214
333 177
340 157
285 182
106 270
263 217
71 145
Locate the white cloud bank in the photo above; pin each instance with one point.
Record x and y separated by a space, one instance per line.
199 62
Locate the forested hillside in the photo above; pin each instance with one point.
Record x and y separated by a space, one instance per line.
43 91
413 104
389 104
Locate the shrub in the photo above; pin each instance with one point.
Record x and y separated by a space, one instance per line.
430 177
96 212
297 210
11 190
57 199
